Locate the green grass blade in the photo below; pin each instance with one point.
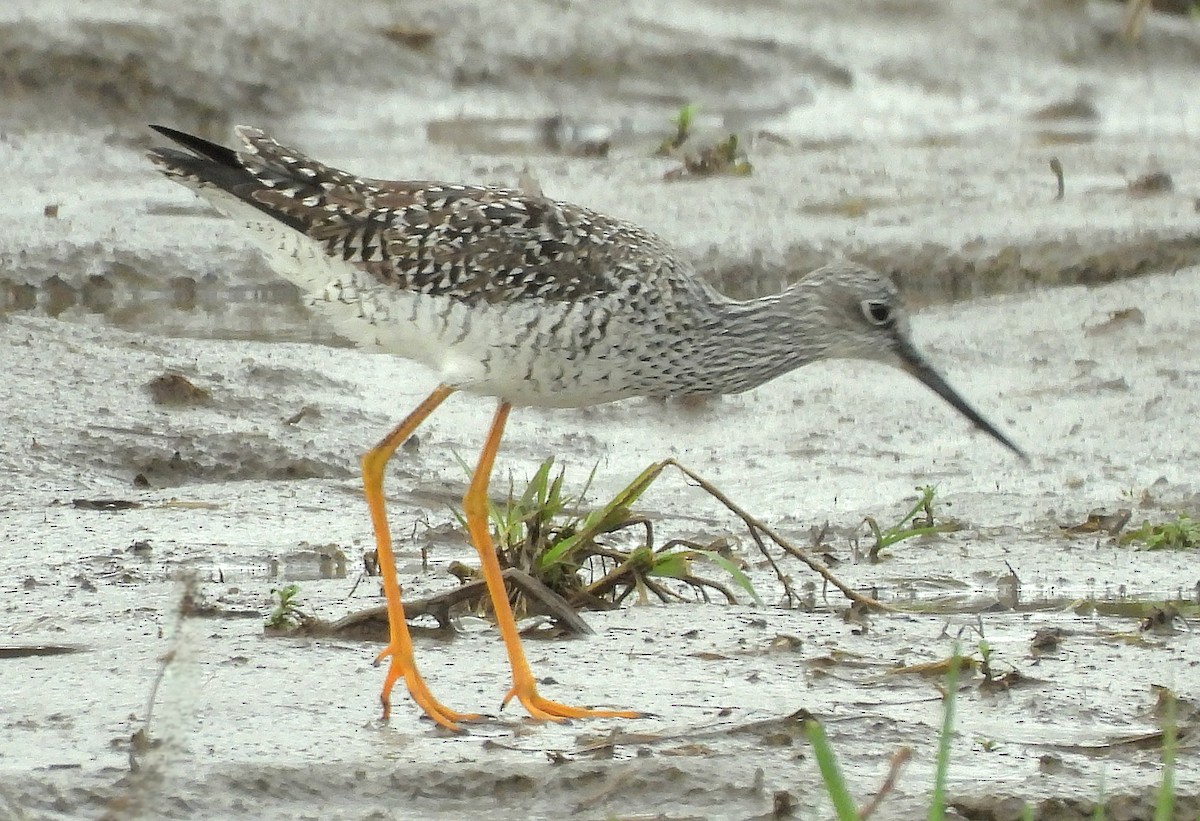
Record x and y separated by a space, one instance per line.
613 513
592 524
462 463
536 489
735 572
937 804
903 529
673 565
554 497
587 486
831 774
1164 806
891 537
1098 813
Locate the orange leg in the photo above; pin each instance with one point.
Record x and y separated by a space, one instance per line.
400 646
475 507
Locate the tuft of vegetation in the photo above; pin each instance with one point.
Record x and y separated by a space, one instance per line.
918 521
683 130
541 532
286 615
1183 533
723 157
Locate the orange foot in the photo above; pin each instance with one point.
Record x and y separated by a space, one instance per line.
402 667
543 709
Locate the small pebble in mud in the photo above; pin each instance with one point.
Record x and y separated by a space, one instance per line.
1046 639
788 643
176 389
1050 764
783 805
413 37
1117 320
308 411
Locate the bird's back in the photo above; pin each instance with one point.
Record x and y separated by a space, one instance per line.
504 293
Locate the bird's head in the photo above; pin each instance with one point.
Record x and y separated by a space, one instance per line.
860 315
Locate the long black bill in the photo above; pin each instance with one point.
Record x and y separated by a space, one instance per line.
918 367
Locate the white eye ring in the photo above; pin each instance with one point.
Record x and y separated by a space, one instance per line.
876 312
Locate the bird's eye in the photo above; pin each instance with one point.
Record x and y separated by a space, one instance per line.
878 313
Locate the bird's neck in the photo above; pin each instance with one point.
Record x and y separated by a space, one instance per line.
753 341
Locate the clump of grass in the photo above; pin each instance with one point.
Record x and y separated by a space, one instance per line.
683 130
723 157
540 531
547 543
1182 533
286 615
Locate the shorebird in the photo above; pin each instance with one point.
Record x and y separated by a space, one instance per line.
534 302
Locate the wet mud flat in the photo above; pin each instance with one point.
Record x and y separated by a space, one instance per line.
245 723
175 448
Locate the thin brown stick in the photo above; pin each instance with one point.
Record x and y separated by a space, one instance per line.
698 582
756 525
602 586
701 583
899 759
664 595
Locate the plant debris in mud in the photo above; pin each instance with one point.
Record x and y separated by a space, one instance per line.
106 505
1152 184
724 157
1100 521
